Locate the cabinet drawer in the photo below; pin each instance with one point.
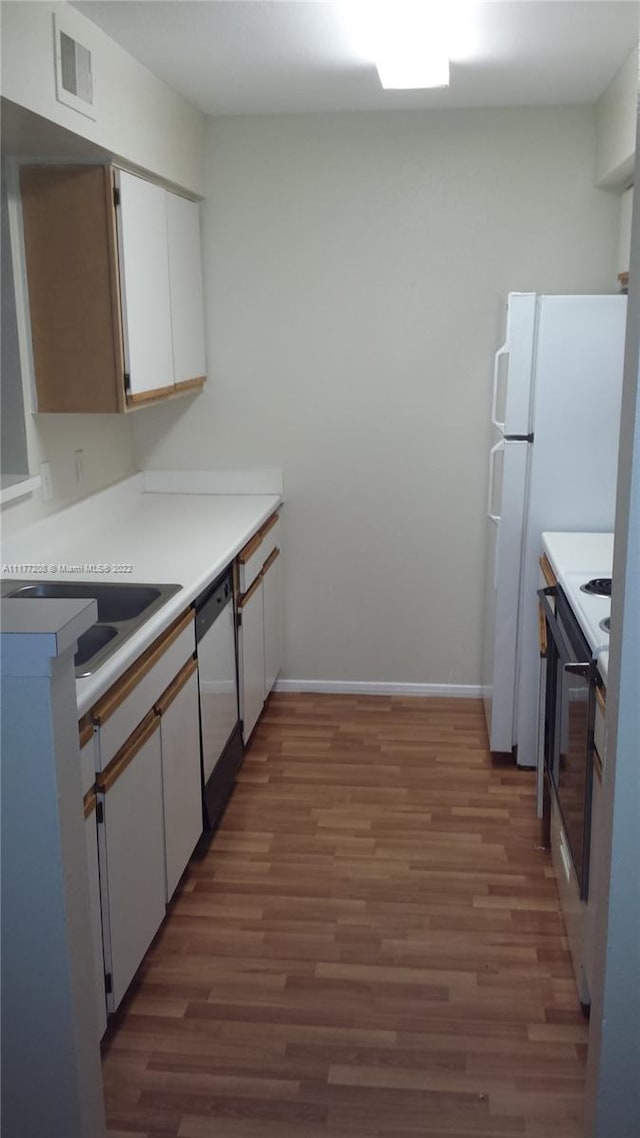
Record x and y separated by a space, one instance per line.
255 553
125 704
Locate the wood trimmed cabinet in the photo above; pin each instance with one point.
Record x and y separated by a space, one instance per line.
148 795
91 837
258 585
115 289
178 710
131 845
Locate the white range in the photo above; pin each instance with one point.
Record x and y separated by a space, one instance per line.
583 564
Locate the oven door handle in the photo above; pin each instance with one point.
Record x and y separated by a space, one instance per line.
563 646
587 670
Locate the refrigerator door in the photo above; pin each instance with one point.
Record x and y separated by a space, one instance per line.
513 369
572 483
505 519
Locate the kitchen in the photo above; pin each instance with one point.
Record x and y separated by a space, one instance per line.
333 206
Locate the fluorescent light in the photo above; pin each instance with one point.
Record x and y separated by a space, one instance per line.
402 70
410 41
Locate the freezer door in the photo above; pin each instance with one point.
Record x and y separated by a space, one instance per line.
511 404
505 521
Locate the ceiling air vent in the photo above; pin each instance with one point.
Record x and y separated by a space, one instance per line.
76 68
74 78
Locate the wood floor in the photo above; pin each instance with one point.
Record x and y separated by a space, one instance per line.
371 947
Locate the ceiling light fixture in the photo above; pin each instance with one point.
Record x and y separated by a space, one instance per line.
410 41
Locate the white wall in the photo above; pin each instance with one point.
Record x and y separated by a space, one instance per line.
137 117
616 120
138 120
356 269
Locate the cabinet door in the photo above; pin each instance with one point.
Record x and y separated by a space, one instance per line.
272 598
74 308
185 274
132 863
181 774
96 916
144 284
252 657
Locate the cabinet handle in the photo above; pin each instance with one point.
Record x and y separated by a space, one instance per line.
176 686
273 556
256 541
131 678
250 548
146 396
89 802
601 701
134 743
85 729
190 384
598 768
270 523
242 600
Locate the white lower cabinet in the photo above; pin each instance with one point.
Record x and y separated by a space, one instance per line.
260 640
181 775
272 616
149 796
91 835
252 657
131 843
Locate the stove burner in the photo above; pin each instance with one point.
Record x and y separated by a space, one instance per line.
605 624
598 587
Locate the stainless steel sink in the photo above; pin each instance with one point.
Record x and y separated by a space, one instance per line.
122 609
91 642
116 601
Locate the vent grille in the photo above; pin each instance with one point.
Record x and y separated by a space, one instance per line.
75 66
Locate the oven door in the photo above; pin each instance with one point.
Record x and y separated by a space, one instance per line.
569 718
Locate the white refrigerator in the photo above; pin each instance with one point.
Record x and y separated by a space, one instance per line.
553 461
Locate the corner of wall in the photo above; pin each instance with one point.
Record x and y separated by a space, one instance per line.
617 127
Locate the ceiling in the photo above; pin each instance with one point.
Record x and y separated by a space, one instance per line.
296 56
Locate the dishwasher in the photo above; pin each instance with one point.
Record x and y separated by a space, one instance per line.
220 733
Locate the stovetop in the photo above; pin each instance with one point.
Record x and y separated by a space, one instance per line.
591 609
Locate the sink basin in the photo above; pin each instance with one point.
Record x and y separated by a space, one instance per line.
91 642
116 601
122 609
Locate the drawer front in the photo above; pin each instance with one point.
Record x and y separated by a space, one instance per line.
255 553
117 720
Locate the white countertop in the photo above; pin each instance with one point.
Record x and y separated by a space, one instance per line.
184 538
591 553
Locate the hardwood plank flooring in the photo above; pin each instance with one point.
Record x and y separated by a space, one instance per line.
371 946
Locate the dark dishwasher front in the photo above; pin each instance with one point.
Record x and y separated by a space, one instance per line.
220 734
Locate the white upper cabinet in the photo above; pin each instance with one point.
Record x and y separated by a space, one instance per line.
115 292
144 284
185 280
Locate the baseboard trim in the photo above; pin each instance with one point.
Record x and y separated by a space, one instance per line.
347 687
